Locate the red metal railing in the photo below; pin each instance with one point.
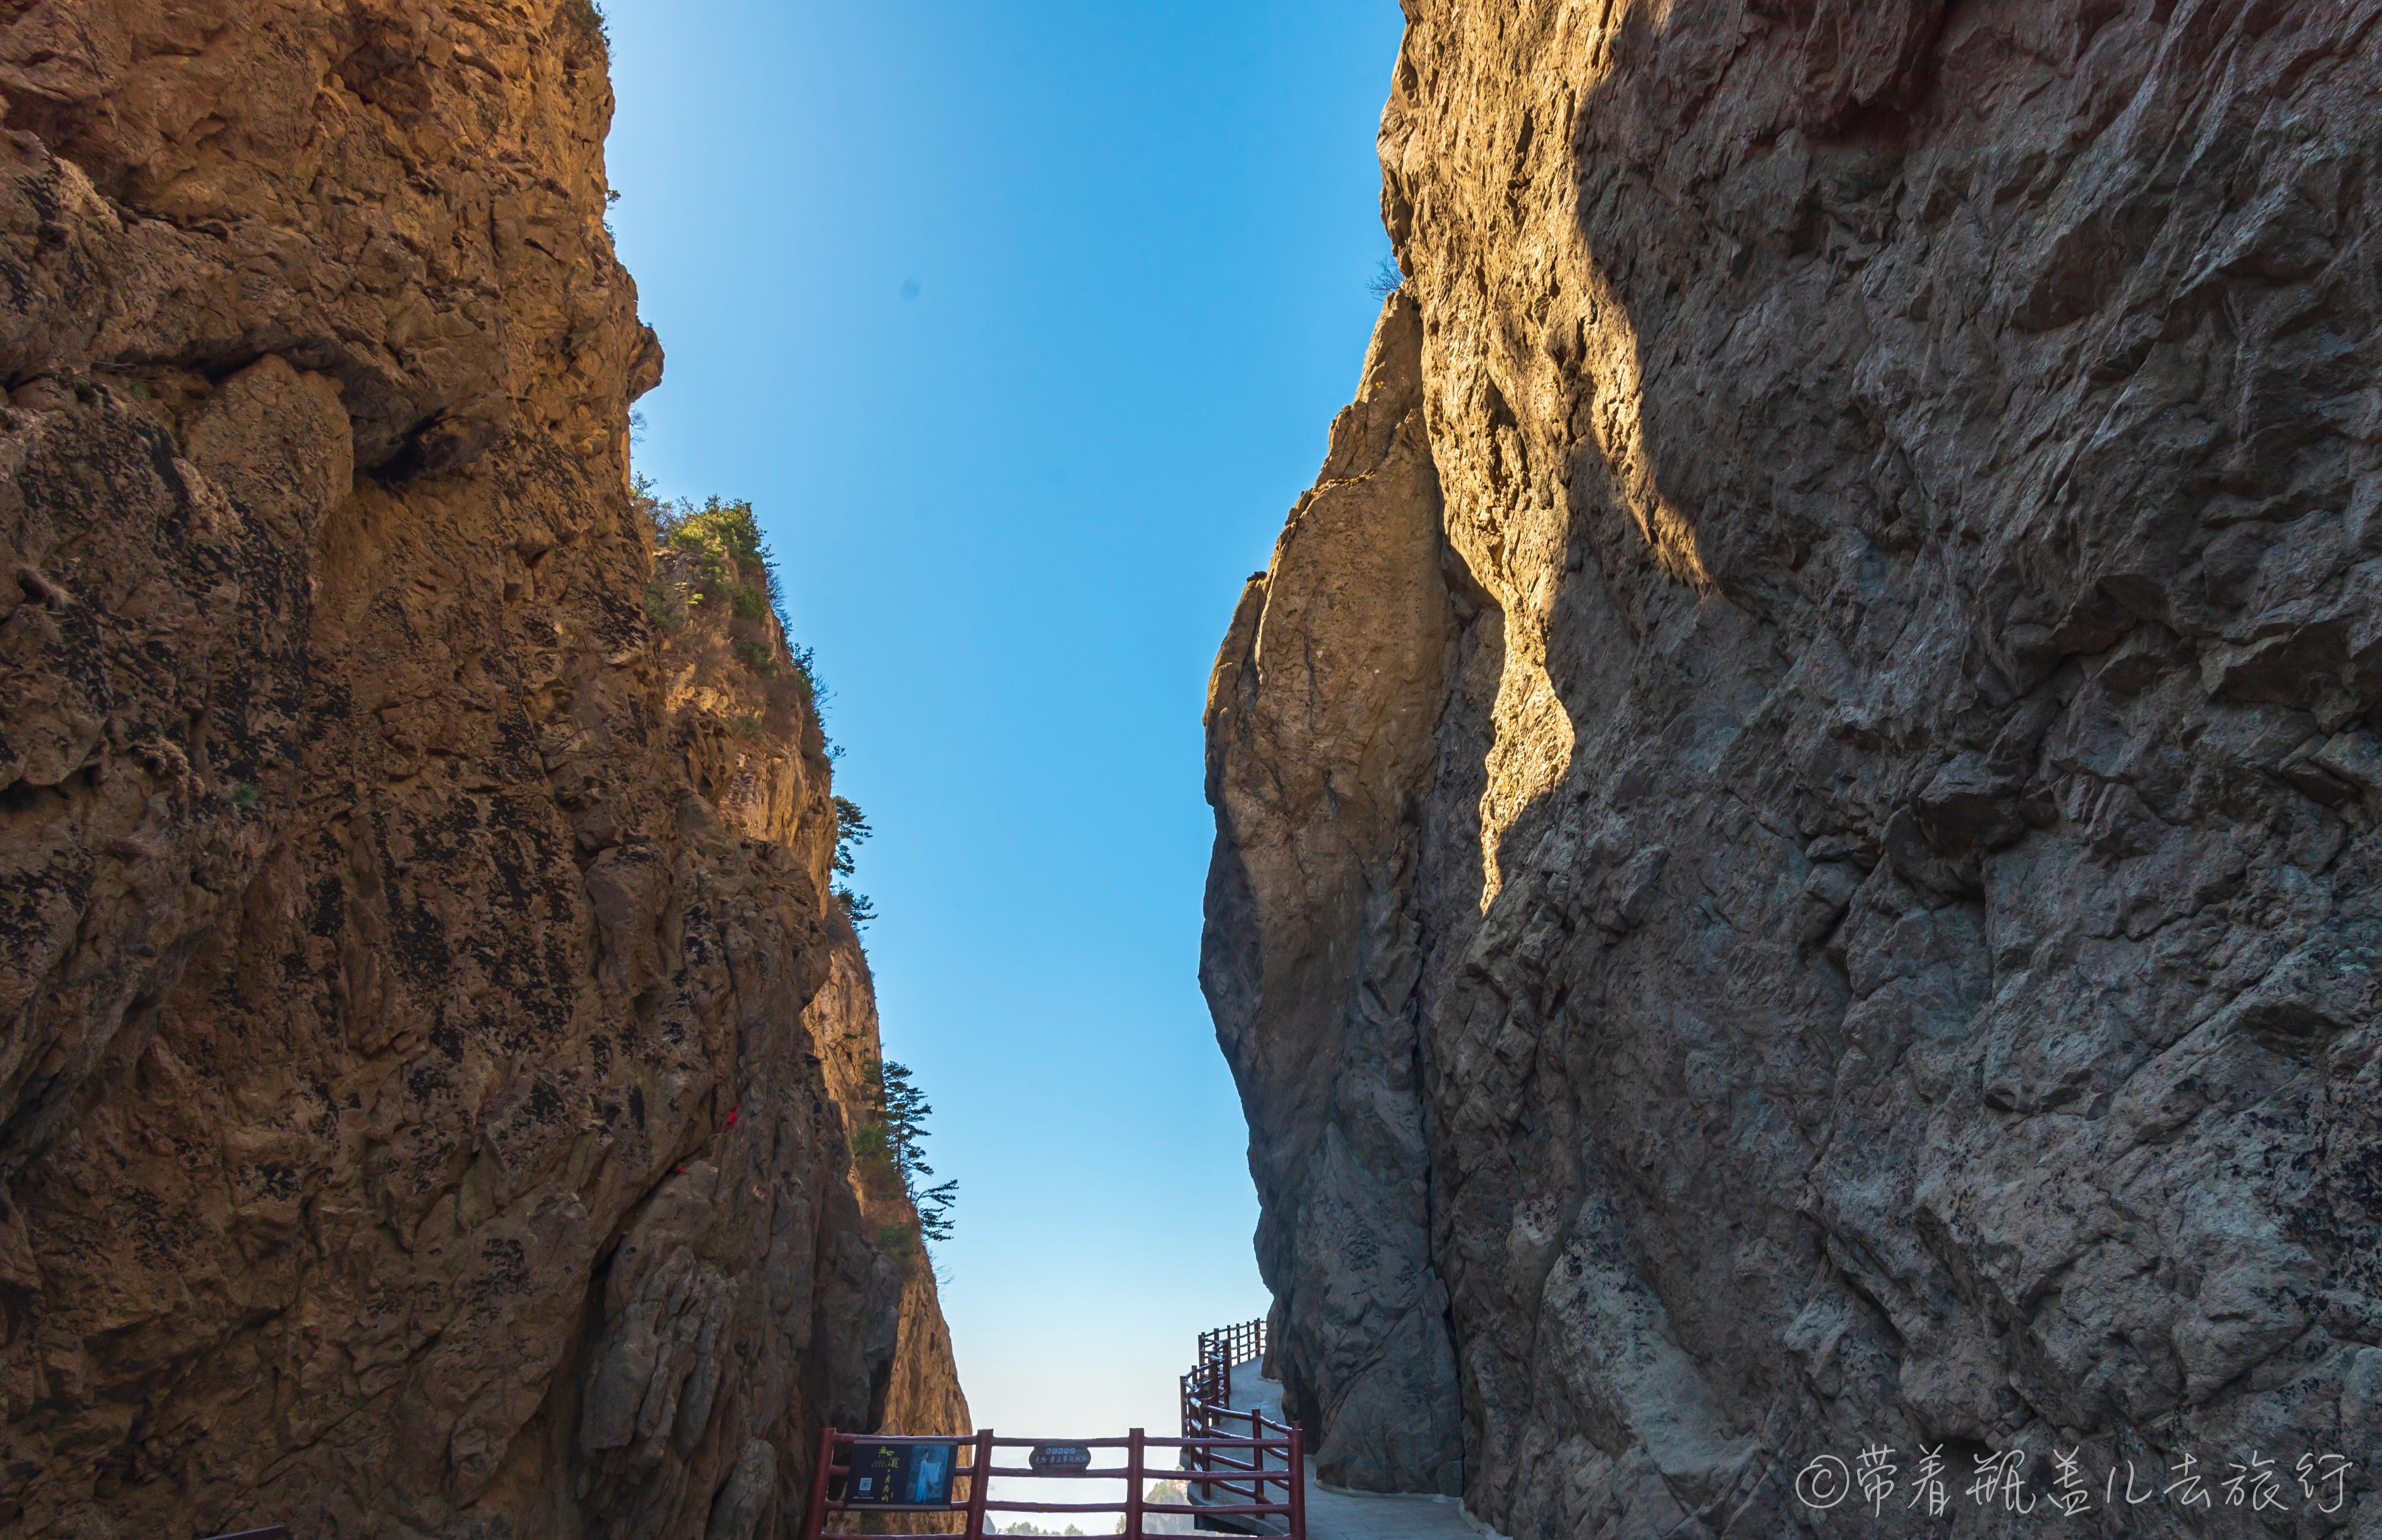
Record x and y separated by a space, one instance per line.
1210 1450
1210 1383
1237 1344
1206 1384
1211 1424
1245 1484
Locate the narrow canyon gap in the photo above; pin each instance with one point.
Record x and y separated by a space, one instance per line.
430 1048
1796 857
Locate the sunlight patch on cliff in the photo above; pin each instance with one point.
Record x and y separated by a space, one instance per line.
1606 365
1519 548
1511 538
1532 751
1522 555
1609 371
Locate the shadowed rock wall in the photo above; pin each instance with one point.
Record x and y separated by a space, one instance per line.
1796 863
427 1045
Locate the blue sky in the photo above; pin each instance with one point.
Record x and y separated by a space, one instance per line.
1021 322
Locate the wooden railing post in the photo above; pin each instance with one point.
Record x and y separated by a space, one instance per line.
1260 1487
979 1484
1133 1459
816 1521
1297 1484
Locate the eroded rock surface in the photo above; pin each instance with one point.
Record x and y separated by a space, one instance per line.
1796 863
427 1045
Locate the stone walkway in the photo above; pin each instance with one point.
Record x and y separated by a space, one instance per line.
1334 1515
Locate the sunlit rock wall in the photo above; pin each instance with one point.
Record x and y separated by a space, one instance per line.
1796 860
427 1047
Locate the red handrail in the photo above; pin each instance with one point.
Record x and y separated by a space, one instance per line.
1251 1480
1209 1412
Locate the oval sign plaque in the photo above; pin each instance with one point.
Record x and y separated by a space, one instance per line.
1059 1459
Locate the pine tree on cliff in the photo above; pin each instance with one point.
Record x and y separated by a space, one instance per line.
850 828
906 1111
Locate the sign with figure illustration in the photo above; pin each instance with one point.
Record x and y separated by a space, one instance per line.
901 1475
1059 1459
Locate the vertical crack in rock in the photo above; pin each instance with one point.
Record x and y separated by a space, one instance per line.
428 1044
1796 856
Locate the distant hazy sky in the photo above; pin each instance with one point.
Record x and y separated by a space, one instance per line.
1021 322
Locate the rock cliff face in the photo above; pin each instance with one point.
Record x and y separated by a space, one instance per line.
427 1045
1797 863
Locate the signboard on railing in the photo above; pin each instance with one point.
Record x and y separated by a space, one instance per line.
1059 1459
901 1475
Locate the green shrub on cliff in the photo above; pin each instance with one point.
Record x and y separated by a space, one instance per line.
664 608
872 1160
718 528
730 559
715 557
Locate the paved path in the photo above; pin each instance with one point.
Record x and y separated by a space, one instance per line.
1359 1515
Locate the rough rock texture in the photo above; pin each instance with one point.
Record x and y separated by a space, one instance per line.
427 1047
1797 863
